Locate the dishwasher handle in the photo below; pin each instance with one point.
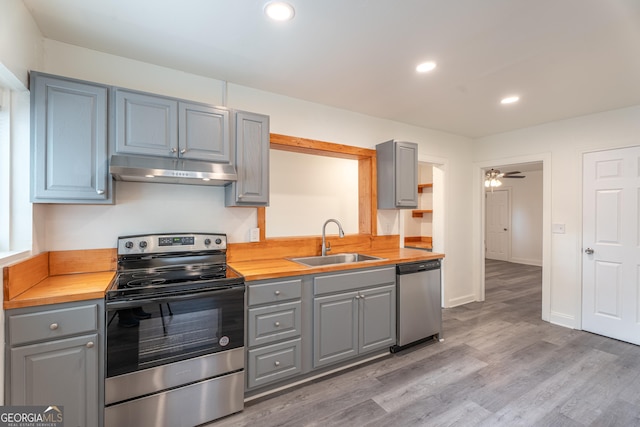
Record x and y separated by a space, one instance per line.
416 267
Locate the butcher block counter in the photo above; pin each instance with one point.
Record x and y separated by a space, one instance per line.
57 277
78 275
283 267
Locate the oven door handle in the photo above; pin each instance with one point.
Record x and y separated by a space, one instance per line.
117 305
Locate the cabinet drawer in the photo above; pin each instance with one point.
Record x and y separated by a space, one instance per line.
262 293
274 322
274 362
52 324
342 282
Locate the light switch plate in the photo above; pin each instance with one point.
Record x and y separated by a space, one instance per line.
557 228
254 235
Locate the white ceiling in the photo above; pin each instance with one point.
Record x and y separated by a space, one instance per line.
563 57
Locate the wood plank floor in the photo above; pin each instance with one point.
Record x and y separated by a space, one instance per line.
499 365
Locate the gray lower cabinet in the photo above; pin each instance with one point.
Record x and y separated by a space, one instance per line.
55 356
274 325
306 325
69 144
397 170
148 124
354 313
252 141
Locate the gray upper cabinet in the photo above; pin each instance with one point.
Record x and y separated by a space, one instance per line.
203 133
69 143
145 124
252 161
155 125
397 166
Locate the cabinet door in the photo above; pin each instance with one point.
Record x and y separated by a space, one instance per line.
145 124
406 159
62 372
377 322
69 142
335 323
203 133
252 161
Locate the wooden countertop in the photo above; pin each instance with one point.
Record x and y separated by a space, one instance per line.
57 277
66 276
63 288
282 267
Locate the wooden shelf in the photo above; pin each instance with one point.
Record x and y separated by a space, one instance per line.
419 242
418 213
421 187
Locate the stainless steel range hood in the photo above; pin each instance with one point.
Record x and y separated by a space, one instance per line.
170 171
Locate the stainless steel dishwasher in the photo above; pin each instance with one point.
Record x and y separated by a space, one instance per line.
419 308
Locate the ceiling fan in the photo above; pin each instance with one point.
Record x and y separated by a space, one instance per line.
492 177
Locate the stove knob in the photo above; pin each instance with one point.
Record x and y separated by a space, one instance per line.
218 241
143 244
207 242
129 244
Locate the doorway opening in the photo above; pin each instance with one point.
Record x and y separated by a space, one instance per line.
514 220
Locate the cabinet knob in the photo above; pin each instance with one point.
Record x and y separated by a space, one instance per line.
357 296
173 150
277 323
53 326
184 150
276 363
101 192
277 292
90 344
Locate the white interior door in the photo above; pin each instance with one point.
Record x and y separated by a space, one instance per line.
498 234
611 242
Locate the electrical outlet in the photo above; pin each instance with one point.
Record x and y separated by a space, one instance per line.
254 235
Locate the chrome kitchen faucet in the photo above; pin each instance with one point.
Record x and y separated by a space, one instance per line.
326 248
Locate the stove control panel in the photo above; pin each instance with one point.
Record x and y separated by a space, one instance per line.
173 242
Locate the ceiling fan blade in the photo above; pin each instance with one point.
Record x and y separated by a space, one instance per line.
512 173
514 176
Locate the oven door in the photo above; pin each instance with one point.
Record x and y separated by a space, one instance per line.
157 331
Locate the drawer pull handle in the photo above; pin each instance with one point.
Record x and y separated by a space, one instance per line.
90 344
277 292
276 363
53 326
277 323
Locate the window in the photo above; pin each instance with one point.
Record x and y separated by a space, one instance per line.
5 169
16 219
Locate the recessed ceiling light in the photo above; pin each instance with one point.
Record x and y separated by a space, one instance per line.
510 99
425 67
279 10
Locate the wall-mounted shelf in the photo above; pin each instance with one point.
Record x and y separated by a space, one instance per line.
418 213
421 187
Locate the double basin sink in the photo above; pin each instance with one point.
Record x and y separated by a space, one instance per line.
346 258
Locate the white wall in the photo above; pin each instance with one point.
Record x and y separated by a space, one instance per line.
307 190
563 143
157 208
526 218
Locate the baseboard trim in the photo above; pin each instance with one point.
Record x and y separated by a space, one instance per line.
454 302
535 262
562 319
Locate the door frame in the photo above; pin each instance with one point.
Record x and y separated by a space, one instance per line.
479 232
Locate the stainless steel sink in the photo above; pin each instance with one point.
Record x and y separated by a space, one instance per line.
319 260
